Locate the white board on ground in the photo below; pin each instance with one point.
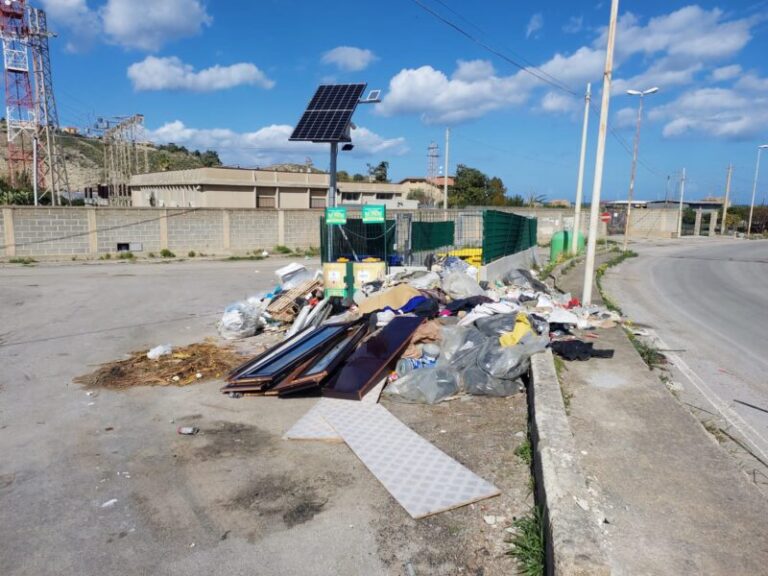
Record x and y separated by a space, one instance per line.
423 479
312 426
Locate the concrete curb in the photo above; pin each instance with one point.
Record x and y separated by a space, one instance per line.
572 539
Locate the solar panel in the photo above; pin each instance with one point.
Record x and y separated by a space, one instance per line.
329 113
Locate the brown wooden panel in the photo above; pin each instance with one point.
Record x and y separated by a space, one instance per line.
367 364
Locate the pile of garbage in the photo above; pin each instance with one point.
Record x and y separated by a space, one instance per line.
433 333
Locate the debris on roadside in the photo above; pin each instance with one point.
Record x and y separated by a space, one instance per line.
179 368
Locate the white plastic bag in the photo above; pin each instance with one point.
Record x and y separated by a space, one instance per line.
158 351
458 285
241 320
292 275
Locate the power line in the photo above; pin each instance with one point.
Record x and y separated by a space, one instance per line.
532 70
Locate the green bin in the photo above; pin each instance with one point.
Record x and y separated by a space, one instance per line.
561 242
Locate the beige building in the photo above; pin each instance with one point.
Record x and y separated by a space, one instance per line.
244 188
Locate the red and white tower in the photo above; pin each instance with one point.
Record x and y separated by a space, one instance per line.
19 99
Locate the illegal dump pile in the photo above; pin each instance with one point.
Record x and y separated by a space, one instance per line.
421 336
172 367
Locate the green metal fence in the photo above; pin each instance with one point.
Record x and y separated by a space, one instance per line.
505 233
355 240
431 235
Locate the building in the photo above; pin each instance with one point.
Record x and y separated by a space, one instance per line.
432 187
559 203
245 188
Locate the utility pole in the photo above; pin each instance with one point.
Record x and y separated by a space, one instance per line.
580 182
35 172
754 189
680 209
723 227
642 94
447 171
594 210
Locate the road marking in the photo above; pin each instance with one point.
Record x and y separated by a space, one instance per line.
729 415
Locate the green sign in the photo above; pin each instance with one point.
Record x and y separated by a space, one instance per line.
336 216
374 214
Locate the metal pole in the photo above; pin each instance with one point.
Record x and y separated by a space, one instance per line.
723 228
445 176
34 170
680 208
580 182
634 172
332 195
594 209
754 189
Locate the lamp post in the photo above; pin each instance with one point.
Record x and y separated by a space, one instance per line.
642 94
754 189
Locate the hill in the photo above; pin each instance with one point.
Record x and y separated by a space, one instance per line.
84 157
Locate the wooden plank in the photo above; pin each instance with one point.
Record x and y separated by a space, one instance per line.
423 479
366 366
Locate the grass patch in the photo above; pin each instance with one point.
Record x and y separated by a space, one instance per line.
651 355
280 249
165 253
528 543
603 268
525 451
151 255
106 256
715 430
125 256
246 257
26 261
191 253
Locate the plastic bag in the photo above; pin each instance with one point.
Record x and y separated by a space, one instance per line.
292 275
458 285
458 340
496 325
426 386
424 281
454 264
477 382
241 320
158 351
510 362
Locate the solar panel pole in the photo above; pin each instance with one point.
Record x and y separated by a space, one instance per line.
332 195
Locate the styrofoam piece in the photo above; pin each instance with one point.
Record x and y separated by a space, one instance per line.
423 479
312 426
299 323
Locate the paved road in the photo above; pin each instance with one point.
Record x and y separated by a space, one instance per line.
235 499
708 302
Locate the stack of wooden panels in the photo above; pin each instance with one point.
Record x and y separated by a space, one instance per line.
284 307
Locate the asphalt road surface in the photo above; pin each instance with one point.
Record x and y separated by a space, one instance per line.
707 300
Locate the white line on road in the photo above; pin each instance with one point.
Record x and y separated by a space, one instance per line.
751 436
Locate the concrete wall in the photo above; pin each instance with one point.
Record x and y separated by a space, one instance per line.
90 232
654 223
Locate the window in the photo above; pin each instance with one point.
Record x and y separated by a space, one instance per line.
350 196
384 196
317 202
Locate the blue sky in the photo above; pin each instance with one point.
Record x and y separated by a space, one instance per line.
235 76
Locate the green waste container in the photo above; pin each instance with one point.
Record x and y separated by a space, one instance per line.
561 242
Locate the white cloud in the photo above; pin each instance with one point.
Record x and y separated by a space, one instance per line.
269 144
149 24
719 112
558 102
725 73
78 17
171 73
535 24
662 73
349 58
439 99
142 24
473 70
689 34
574 25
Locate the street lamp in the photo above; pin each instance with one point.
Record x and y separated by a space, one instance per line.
642 94
754 189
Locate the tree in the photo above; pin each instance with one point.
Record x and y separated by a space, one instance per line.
516 200
343 176
358 178
209 158
473 188
534 199
421 196
379 173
